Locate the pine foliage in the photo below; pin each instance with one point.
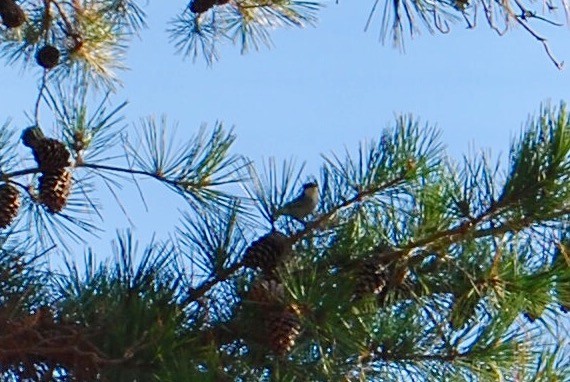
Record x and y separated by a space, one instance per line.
87 39
414 266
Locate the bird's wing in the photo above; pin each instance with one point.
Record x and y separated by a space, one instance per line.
282 210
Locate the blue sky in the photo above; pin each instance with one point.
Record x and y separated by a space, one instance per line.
321 89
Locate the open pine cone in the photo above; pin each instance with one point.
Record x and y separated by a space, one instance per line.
9 204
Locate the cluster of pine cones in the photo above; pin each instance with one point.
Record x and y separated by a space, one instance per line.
283 320
54 184
13 16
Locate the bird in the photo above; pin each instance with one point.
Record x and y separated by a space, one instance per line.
302 205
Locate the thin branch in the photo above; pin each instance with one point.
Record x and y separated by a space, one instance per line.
490 20
201 290
129 171
39 98
527 14
223 275
28 171
465 230
544 41
310 226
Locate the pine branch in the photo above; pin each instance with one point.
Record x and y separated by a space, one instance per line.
145 290
87 135
204 24
273 186
192 169
361 196
456 257
224 274
470 229
411 16
7 147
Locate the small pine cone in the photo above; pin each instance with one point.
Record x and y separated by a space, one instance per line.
9 204
31 136
461 4
201 6
47 57
371 278
284 328
12 14
54 188
267 252
266 292
51 155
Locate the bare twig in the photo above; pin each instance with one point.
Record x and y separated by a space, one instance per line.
28 171
491 21
543 41
39 98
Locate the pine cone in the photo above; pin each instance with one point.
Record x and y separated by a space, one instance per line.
371 278
284 328
201 6
267 252
12 14
54 188
48 56
32 135
51 155
9 204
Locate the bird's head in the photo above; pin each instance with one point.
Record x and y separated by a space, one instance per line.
311 189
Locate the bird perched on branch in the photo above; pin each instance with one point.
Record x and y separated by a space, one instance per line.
302 205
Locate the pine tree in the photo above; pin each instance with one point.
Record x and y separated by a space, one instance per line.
88 38
435 270
412 267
